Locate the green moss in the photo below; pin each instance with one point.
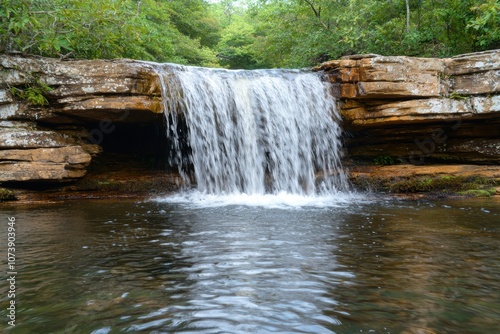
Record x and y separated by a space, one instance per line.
7 195
456 96
478 192
461 185
383 160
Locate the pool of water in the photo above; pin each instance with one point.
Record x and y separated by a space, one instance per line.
165 266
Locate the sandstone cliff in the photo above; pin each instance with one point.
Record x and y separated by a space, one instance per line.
57 116
420 111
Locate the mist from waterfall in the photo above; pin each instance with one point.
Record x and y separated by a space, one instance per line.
253 132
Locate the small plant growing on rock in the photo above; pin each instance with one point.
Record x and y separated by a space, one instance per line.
456 96
34 92
7 195
383 160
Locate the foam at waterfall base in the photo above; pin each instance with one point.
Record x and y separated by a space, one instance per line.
281 200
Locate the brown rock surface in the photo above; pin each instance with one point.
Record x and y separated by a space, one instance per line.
85 101
433 109
62 164
88 89
411 170
472 63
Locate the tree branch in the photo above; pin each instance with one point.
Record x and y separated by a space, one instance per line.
317 13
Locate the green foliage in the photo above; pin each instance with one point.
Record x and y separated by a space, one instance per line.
486 24
34 93
173 31
304 32
247 33
236 45
7 195
383 160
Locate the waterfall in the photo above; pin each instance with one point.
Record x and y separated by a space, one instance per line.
253 132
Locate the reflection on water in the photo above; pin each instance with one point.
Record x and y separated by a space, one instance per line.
380 267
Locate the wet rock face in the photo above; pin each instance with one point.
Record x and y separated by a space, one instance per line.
418 110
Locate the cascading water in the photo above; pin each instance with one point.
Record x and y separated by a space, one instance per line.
253 132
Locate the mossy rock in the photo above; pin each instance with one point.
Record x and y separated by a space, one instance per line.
453 185
478 192
7 195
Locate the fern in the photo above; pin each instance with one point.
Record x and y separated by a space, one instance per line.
34 93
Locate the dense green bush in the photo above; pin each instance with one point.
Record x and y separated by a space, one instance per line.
176 31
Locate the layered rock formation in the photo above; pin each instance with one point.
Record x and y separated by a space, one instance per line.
430 118
57 116
420 110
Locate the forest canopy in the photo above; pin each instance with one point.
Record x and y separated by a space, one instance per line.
247 33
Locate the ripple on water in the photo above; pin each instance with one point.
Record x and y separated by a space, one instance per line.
166 267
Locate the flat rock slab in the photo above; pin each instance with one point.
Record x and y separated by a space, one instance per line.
42 164
398 171
38 171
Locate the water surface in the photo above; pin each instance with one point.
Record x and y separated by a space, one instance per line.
368 266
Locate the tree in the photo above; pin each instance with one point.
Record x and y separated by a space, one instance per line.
407 16
235 49
303 32
247 33
146 29
486 24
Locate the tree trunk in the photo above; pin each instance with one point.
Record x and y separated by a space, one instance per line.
407 16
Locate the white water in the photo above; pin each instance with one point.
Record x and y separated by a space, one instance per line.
254 132
283 200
